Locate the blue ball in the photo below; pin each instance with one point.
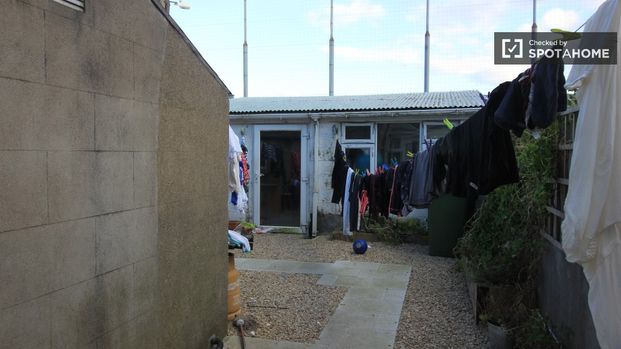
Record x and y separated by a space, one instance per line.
360 246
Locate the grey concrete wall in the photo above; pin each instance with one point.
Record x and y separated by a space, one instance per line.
192 200
84 240
562 295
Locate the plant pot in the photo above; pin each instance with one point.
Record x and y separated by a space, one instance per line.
477 292
233 224
498 337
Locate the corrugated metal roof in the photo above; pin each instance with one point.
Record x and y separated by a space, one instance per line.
402 101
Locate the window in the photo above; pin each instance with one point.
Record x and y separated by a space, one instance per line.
432 131
358 141
395 140
357 133
359 158
74 4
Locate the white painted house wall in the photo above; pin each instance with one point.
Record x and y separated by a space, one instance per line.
327 141
332 113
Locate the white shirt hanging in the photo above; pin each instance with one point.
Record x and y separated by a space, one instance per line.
591 230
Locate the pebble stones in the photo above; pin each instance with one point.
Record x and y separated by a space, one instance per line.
436 312
288 307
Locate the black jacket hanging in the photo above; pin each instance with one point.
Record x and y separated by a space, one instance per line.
479 154
339 174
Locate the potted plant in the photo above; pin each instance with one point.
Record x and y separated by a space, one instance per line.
247 228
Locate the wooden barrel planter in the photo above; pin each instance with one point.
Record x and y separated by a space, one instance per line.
233 224
233 296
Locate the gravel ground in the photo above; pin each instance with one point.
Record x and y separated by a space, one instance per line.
436 312
284 306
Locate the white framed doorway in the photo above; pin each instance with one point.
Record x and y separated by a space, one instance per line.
280 172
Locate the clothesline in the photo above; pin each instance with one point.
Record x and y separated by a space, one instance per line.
473 159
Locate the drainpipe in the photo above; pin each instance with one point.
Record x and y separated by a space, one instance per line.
315 177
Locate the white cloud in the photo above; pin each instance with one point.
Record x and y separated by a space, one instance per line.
416 14
352 12
358 10
481 68
559 18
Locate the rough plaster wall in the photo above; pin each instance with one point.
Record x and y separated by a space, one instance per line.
79 128
192 195
327 142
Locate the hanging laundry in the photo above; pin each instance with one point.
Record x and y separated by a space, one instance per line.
421 181
404 173
234 145
339 174
510 114
591 230
479 154
534 98
354 202
364 202
245 167
235 185
390 189
547 95
382 196
346 218
440 165
377 194
373 196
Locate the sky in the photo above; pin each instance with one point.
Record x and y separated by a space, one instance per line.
379 44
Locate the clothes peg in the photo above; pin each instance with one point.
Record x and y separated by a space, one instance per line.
566 35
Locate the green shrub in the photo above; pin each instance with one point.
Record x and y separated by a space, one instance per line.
396 231
502 242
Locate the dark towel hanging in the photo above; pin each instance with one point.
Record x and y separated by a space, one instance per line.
339 174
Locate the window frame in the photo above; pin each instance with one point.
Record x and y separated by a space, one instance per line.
369 140
372 151
423 130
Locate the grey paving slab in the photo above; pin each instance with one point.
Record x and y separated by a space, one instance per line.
379 305
367 317
358 266
284 266
355 339
394 268
327 279
233 342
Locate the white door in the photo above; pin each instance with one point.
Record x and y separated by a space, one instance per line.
281 176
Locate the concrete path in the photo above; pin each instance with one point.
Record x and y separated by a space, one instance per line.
232 342
368 315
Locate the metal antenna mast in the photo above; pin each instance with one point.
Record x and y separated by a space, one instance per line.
245 55
427 52
331 90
